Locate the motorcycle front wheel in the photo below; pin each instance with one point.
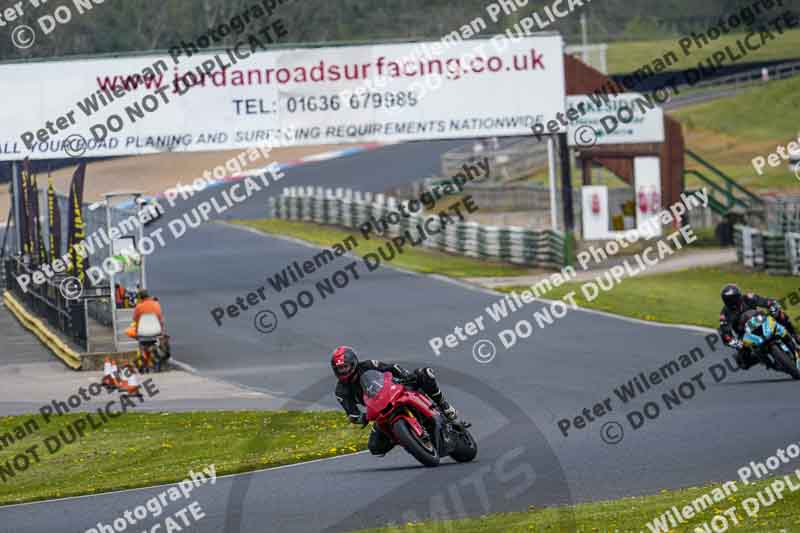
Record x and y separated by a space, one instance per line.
422 449
466 449
786 363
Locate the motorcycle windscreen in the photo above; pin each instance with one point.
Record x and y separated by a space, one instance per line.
756 326
754 334
372 383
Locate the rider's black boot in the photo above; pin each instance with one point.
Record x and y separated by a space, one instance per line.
744 362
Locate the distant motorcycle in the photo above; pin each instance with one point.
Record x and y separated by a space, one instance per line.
154 347
764 336
411 419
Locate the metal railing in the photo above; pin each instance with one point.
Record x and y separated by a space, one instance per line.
7 244
745 79
730 194
46 301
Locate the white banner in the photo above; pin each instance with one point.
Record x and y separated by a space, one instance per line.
624 118
235 99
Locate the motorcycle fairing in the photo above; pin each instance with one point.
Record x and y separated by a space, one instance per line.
383 398
767 326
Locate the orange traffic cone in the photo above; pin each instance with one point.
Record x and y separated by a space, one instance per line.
130 381
115 373
108 374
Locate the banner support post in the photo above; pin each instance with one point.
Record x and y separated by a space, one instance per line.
551 164
566 192
15 199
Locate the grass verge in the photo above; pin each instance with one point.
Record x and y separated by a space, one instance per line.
730 132
747 114
416 259
631 515
143 449
627 56
684 297
706 239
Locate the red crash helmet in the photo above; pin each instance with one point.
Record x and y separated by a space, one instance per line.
344 363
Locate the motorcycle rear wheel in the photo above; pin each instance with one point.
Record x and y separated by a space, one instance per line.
425 453
785 362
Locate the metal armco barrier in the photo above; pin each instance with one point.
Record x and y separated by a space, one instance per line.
776 253
47 302
351 209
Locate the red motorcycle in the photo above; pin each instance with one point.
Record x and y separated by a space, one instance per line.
412 420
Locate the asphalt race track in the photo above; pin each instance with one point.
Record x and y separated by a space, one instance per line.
515 401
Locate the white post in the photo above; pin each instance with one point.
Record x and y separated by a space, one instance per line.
114 325
551 165
584 40
603 60
142 257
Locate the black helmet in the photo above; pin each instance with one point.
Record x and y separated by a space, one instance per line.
344 362
731 295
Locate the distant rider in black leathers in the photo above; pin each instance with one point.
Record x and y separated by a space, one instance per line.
738 309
